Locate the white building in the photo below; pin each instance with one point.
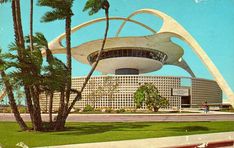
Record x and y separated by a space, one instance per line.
127 58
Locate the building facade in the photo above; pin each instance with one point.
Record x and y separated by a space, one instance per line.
117 91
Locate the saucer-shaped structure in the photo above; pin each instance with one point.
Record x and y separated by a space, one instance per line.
130 55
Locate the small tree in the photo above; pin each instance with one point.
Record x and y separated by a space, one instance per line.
93 92
107 88
149 94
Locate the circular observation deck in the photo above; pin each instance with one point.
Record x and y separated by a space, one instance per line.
123 57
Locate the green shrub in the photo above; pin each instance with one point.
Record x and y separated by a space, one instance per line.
76 110
88 108
122 110
22 109
98 110
131 110
108 110
6 110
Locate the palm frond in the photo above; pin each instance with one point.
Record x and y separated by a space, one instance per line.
60 9
94 6
13 47
40 39
4 1
56 4
53 15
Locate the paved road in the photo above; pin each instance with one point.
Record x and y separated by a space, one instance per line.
133 117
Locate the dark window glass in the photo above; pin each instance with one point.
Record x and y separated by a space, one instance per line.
143 53
125 53
115 53
134 53
139 54
156 55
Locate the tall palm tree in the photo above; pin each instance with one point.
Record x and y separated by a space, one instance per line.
55 74
94 6
12 102
19 39
61 11
10 94
32 62
35 110
32 92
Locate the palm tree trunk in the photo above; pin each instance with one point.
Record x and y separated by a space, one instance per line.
19 24
77 98
29 103
69 64
60 111
37 122
14 22
13 105
51 108
155 109
46 102
61 124
31 25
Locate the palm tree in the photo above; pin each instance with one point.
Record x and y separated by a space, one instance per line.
94 6
61 11
32 62
12 102
55 74
10 94
19 39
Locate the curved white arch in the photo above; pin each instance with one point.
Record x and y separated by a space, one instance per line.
183 64
56 44
173 27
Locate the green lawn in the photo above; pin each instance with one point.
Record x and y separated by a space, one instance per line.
97 132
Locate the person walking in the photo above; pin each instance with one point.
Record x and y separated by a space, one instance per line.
206 107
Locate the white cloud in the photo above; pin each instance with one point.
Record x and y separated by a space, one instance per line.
199 1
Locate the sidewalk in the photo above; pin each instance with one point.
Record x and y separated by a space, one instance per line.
171 142
164 117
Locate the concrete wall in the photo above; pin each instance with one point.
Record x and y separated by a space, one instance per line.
126 85
205 90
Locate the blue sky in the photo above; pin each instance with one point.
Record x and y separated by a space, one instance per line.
210 22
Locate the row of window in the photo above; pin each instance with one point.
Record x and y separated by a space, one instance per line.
155 55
